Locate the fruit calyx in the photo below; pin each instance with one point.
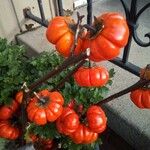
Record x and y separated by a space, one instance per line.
72 25
98 26
145 75
42 100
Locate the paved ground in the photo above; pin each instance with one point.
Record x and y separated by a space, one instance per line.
123 117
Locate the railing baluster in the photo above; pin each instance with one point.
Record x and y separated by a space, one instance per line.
89 12
131 23
127 49
40 4
60 7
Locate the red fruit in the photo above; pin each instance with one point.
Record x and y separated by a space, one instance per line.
61 33
19 97
83 135
46 109
7 111
141 98
111 35
8 131
47 143
68 122
96 119
91 77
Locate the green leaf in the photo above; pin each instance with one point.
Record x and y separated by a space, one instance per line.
110 82
68 144
111 73
15 69
47 131
3 44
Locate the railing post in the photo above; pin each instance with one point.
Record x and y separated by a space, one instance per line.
131 23
89 12
41 9
60 7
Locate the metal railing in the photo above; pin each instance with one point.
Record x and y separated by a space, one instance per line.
132 17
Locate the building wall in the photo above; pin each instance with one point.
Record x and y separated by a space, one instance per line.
11 18
68 4
8 22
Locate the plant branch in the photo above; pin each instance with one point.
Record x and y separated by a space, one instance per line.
89 27
78 27
69 61
133 87
62 82
24 114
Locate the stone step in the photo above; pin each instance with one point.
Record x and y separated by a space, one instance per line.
35 41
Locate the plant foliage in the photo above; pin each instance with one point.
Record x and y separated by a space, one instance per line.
16 68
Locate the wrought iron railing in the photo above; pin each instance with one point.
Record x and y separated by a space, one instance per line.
132 16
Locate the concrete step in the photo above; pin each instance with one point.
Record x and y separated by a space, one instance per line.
35 41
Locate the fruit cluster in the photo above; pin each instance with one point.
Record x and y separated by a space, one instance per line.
110 34
82 129
8 120
48 107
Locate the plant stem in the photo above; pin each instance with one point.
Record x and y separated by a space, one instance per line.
62 82
133 87
24 115
89 28
69 61
78 27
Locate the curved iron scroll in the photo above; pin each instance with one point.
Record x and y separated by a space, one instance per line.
132 17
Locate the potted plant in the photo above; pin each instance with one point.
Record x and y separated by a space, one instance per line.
16 68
